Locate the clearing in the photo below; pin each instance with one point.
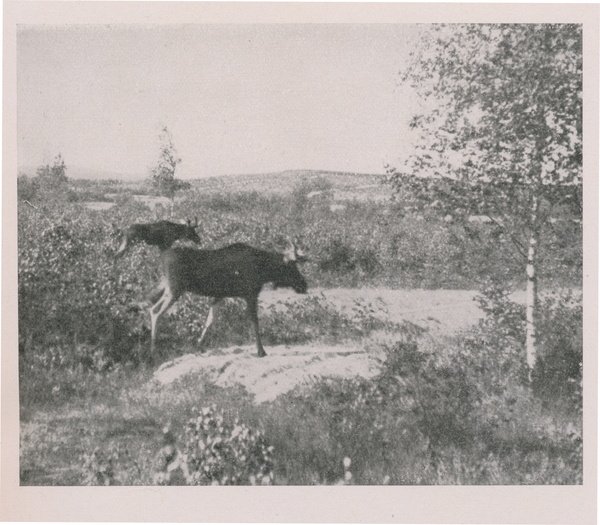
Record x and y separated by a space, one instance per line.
285 367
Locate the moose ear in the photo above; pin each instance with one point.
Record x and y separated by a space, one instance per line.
301 256
289 254
292 254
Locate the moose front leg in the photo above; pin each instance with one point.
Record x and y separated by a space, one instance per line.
253 315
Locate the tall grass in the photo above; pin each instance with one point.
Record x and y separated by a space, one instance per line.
455 412
72 291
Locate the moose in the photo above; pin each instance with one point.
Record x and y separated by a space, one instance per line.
162 234
237 270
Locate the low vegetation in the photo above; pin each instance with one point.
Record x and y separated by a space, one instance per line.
456 412
443 410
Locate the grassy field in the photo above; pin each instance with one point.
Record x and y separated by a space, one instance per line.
403 365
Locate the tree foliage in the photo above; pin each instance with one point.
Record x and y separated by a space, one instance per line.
500 123
56 173
163 174
500 132
53 178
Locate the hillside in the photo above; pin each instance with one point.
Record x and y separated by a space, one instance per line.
341 185
82 173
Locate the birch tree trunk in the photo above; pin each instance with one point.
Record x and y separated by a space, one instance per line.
532 292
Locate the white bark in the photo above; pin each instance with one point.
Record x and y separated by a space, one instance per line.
531 303
530 344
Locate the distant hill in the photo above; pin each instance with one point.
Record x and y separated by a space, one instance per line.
77 172
336 185
339 185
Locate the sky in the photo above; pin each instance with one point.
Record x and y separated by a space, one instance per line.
237 99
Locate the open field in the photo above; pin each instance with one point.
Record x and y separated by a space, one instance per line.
403 357
129 414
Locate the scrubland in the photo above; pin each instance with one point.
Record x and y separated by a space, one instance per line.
404 364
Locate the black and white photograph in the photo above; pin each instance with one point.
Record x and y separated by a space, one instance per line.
302 254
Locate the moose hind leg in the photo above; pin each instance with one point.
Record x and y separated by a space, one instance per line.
161 306
209 319
123 246
158 290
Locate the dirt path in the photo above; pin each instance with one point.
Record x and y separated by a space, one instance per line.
449 310
440 311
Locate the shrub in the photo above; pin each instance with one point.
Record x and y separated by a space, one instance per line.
343 418
425 419
71 292
558 371
443 395
26 188
340 257
215 452
305 191
99 467
115 464
387 426
557 374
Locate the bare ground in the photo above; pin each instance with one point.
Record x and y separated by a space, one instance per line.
440 311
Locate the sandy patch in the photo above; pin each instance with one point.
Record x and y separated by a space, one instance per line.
99 205
450 310
283 369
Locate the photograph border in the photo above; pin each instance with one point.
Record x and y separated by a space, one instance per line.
324 504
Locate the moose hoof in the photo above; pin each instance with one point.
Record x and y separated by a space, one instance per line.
262 353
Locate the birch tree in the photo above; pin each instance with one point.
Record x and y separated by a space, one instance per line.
498 132
163 174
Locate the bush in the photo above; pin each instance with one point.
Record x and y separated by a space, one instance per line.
342 258
26 188
425 419
72 294
215 452
557 375
116 465
343 418
558 372
496 347
388 426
